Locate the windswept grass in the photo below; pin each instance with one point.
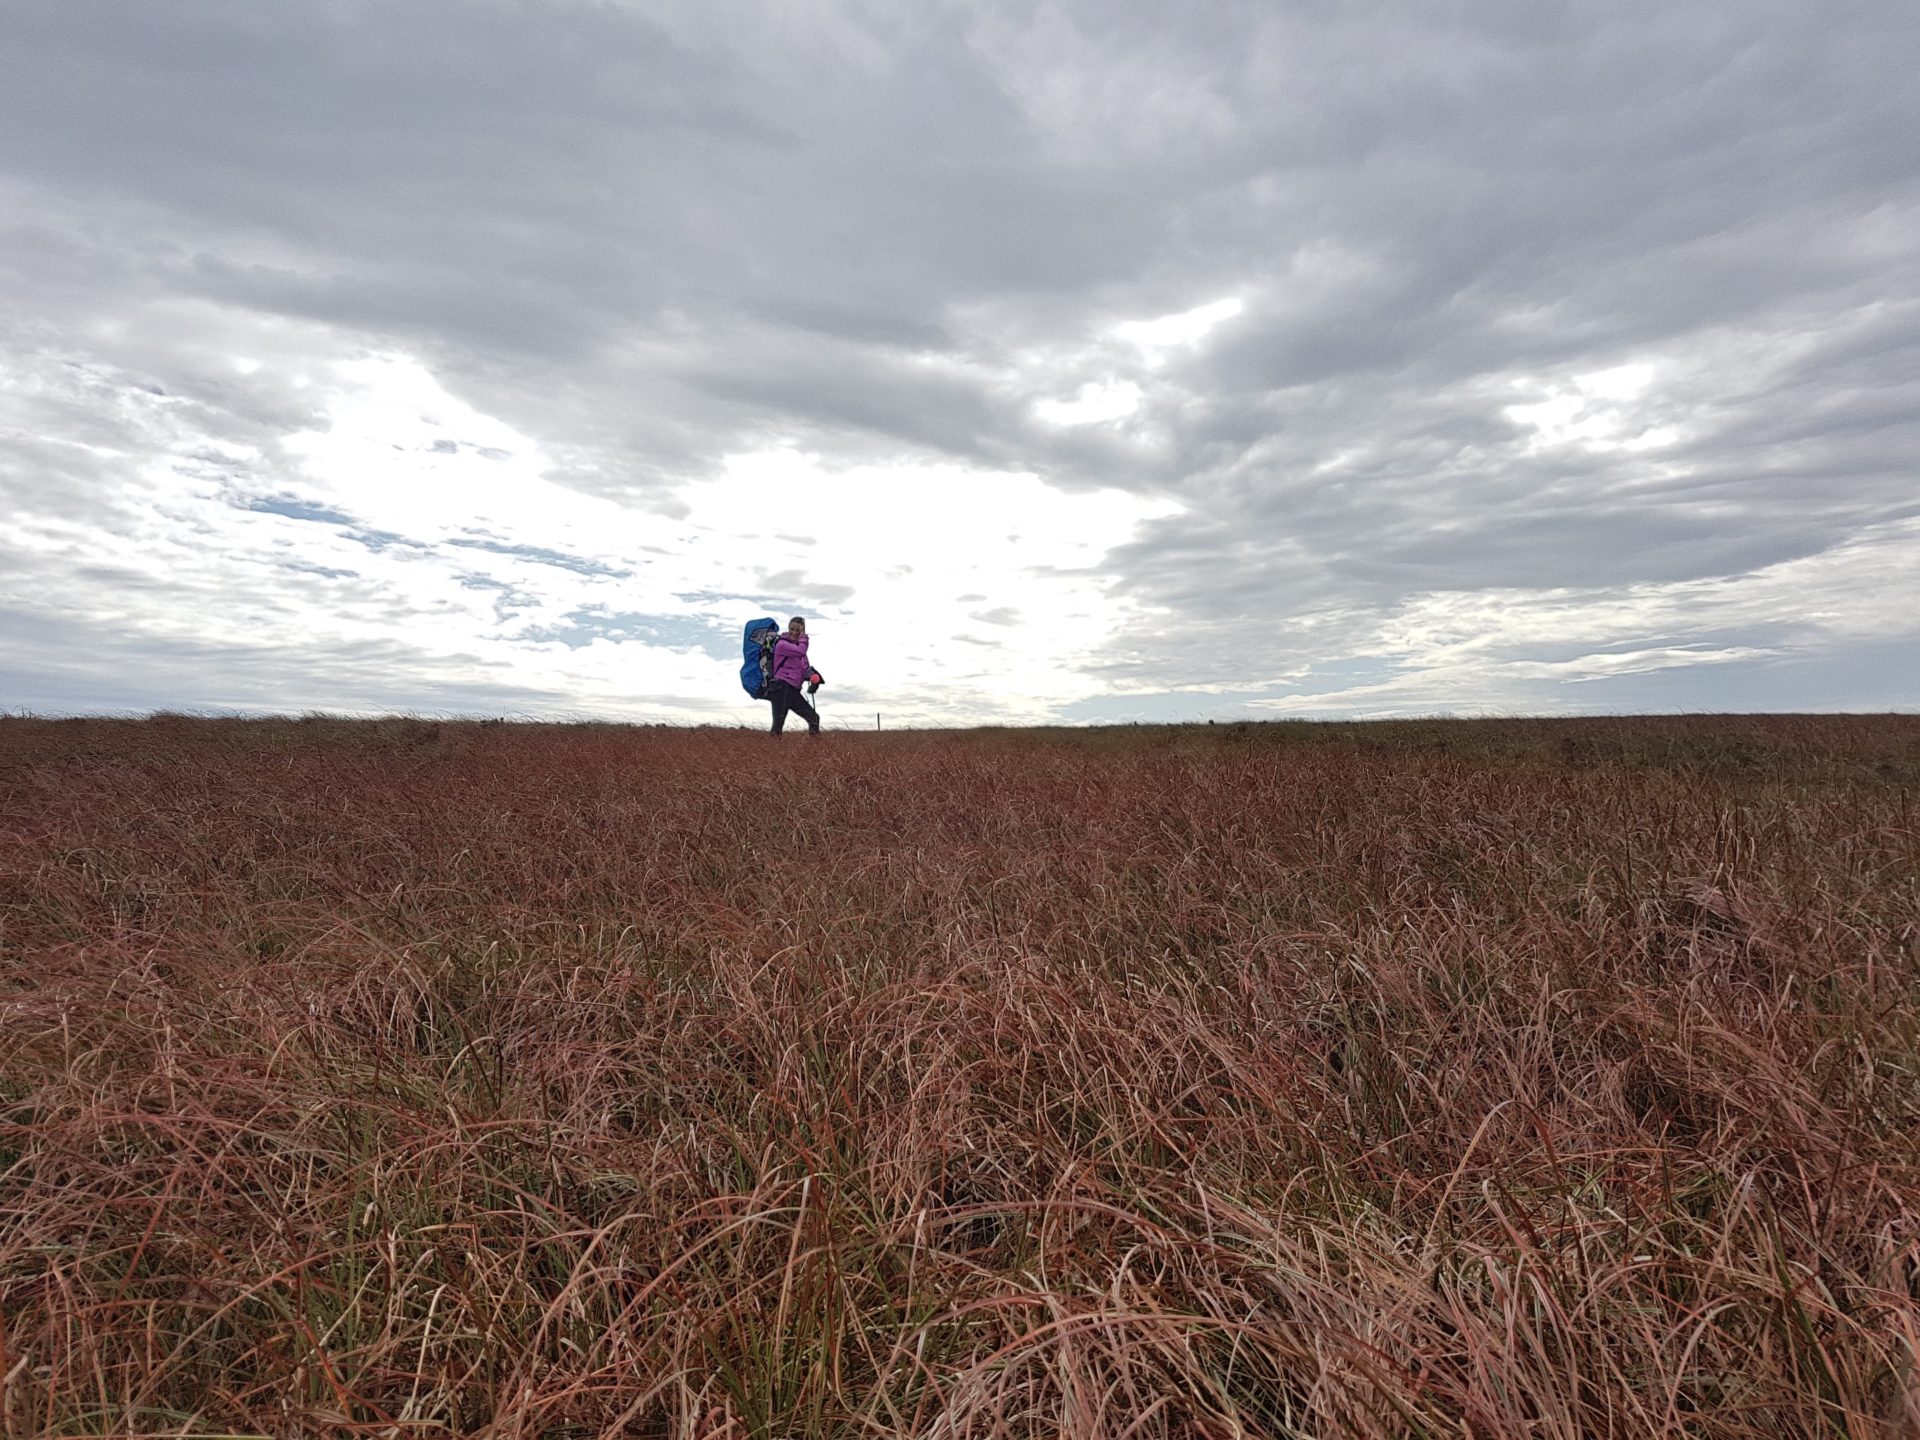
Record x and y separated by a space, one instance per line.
1491 1078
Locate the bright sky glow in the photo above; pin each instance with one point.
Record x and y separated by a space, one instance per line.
473 545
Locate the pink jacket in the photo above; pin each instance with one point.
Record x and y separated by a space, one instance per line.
790 659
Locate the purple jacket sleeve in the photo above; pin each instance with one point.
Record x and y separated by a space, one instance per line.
790 659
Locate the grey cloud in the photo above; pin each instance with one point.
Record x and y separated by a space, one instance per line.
864 400
792 585
66 675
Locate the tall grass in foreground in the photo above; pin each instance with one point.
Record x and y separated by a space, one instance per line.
430 1079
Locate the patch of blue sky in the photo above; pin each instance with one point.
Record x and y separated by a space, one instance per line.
290 508
378 540
508 600
454 447
294 509
757 602
582 627
539 556
1331 676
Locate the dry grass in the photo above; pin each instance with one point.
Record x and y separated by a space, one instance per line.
423 1079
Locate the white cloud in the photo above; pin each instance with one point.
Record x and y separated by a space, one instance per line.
1094 403
1155 338
1600 410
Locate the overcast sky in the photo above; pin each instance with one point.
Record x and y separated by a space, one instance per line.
1082 361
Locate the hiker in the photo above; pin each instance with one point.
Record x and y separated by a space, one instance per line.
790 672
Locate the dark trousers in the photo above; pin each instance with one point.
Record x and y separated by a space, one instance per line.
787 697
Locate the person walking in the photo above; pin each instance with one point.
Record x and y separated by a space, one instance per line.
791 670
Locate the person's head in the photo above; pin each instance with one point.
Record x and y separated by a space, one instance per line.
797 625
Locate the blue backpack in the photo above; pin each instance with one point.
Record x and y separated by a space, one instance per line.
756 655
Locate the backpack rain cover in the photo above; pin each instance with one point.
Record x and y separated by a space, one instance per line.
756 655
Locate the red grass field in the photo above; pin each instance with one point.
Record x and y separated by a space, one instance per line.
1455 1078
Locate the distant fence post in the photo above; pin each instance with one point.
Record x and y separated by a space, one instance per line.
876 719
